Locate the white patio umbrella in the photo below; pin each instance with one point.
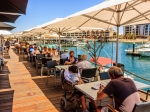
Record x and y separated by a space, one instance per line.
5 32
112 13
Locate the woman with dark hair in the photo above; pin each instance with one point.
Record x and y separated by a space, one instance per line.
71 59
72 75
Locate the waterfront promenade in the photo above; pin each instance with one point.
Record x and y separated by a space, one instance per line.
27 96
130 40
31 92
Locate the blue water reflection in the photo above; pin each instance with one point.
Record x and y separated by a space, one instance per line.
139 66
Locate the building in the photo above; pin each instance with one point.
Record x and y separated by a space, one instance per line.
89 33
139 30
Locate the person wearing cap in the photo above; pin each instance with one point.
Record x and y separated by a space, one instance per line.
65 54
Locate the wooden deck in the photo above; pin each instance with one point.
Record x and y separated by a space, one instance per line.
28 97
31 92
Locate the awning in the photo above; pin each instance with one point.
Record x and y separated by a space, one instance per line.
4 26
13 6
8 18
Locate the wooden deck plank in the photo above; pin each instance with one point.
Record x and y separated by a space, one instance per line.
27 96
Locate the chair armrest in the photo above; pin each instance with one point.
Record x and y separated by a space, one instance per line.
85 80
143 100
68 82
111 108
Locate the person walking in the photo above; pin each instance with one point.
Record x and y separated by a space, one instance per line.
7 44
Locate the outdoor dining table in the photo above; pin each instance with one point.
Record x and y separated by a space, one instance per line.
92 93
62 67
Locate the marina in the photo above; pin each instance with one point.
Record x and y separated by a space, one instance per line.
62 56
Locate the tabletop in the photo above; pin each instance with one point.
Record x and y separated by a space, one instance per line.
86 88
62 67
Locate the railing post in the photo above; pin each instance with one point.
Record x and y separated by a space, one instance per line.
148 91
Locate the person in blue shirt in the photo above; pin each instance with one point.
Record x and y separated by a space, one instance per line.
70 59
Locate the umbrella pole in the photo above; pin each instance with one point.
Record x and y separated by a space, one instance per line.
112 54
117 44
59 41
118 25
77 51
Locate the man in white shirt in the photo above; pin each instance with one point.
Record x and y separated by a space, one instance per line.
72 75
84 63
65 54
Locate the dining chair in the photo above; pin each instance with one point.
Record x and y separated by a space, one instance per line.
25 52
144 106
104 75
44 64
88 73
38 61
62 61
52 70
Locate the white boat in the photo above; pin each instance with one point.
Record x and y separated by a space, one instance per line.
143 50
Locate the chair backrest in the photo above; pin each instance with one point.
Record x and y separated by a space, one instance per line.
104 75
25 50
62 61
61 52
51 64
142 107
44 60
49 55
39 56
88 72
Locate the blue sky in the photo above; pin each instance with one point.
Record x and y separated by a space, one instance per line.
42 11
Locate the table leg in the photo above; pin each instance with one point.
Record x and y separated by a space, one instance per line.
55 77
36 66
42 71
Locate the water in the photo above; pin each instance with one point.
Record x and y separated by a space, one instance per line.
139 66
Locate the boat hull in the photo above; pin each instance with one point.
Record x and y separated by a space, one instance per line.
145 53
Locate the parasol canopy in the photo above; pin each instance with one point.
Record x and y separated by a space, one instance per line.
4 26
13 6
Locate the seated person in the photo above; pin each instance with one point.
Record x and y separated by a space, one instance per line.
123 89
65 54
84 63
45 50
31 48
71 59
49 52
72 75
54 52
34 52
